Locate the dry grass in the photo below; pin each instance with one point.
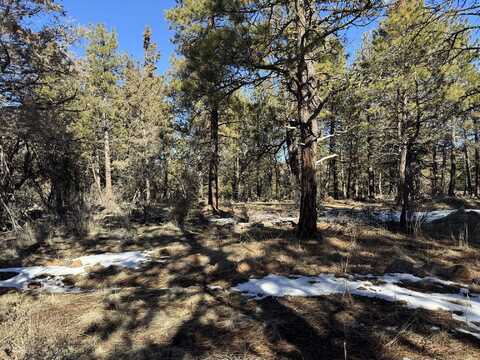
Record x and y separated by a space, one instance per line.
167 311
32 329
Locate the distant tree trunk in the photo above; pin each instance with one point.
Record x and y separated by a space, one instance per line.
380 184
213 168
293 158
147 191
444 168
269 191
258 185
350 170
333 162
96 174
200 184
453 171
236 178
371 173
477 158
404 183
434 189
146 171
277 178
108 168
468 176
357 188
342 173
165 180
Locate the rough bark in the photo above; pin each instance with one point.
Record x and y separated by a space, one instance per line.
307 224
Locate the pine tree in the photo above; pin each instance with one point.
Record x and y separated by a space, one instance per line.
103 70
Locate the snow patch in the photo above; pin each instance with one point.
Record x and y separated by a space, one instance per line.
464 306
387 216
50 278
421 216
223 221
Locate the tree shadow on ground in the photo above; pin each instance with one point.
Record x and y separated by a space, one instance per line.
199 321
170 311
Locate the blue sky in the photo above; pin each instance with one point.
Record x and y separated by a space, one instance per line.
129 18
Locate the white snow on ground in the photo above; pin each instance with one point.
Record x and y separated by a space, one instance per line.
422 216
283 220
223 221
335 216
132 259
464 306
50 277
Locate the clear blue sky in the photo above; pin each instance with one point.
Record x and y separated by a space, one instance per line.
129 18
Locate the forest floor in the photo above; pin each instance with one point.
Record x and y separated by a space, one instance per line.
181 304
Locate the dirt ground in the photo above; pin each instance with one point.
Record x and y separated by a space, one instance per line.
180 307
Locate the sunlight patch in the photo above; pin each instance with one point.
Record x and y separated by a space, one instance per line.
464 306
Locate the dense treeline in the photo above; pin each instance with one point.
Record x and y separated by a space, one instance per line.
260 103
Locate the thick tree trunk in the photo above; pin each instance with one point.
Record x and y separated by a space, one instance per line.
307 225
213 166
306 117
108 169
